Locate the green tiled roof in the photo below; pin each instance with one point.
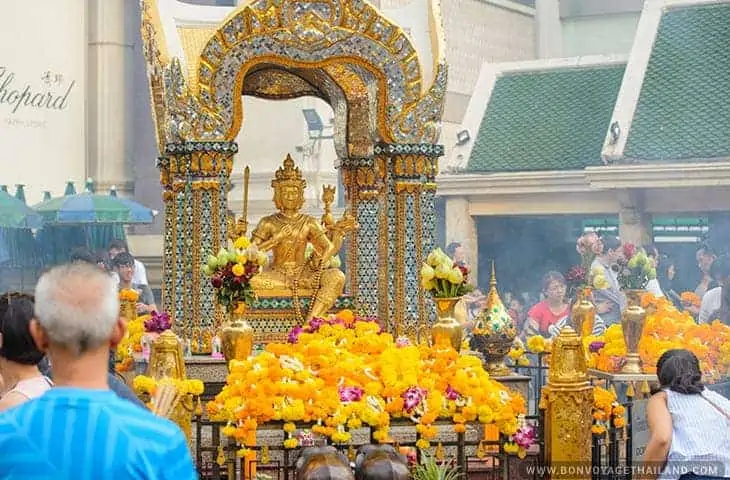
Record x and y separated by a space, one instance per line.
684 107
552 119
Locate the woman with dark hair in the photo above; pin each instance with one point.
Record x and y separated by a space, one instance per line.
19 356
666 272
689 425
551 311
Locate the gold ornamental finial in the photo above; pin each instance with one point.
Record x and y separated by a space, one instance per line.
493 300
288 174
568 363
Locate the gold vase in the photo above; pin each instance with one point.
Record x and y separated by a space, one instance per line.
447 327
632 324
583 313
237 338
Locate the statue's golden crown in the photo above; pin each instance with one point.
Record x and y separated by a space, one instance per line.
288 174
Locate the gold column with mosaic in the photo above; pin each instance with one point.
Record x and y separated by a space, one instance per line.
407 226
195 179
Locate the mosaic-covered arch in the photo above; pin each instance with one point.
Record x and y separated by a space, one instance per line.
316 34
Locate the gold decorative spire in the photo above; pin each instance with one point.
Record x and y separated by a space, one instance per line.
288 174
494 303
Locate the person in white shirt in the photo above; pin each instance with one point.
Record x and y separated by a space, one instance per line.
712 300
653 286
611 301
140 272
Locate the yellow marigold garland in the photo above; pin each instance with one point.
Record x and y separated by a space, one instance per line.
143 384
606 409
132 341
344 376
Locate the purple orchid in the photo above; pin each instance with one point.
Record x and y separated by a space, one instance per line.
451 394
594 347
413 398
315 324
158 323
294 334
350 394
525 436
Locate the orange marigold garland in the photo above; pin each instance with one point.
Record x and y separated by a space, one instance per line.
666 328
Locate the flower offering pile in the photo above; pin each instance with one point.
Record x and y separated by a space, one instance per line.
443 277
344 373
231 270
666 328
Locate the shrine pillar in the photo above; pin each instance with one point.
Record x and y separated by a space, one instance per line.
568 402
195 178
635 224
405 174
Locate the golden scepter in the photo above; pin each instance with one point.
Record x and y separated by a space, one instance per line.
244 215
238 227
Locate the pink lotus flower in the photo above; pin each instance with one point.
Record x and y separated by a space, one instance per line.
350 394
413 398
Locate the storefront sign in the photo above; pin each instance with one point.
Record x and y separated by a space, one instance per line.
43 48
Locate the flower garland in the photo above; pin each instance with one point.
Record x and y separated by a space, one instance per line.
606 410
522 440
128 295
536 344
665 328
143 384
343 375
131 343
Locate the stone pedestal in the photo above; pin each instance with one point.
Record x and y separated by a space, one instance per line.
634 223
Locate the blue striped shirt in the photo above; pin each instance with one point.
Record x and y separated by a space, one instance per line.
70 433
700 434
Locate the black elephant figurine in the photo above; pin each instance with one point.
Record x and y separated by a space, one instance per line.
323 463
380 462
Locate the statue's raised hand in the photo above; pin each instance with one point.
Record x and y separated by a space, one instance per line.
346 224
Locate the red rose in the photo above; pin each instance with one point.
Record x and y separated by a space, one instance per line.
629 250
236 280
216 281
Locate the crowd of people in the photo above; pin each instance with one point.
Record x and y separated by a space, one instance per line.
66 420
547 312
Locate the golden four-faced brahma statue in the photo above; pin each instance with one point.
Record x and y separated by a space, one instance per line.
286 234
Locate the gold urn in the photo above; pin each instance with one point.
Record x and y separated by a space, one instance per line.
447 327
237 337
494 332
583 313
632 325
